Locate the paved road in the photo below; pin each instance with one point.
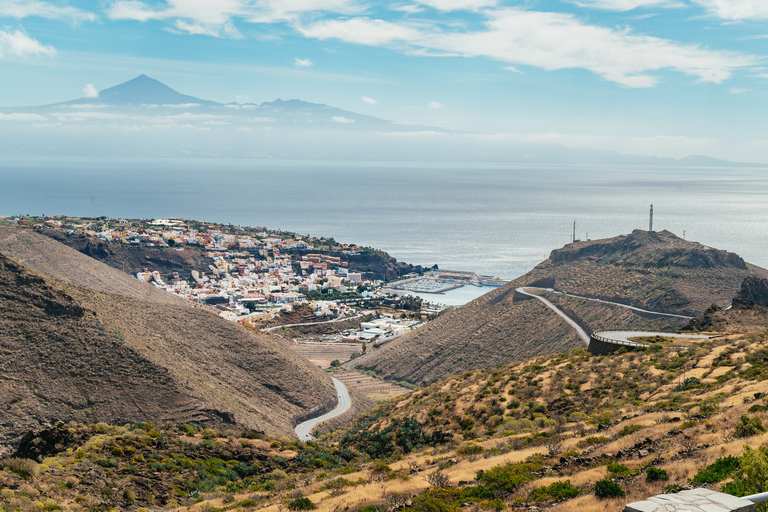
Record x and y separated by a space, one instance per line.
554 308
345 402
620 304
312 323
625 335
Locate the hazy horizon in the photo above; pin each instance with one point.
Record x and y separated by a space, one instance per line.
665 78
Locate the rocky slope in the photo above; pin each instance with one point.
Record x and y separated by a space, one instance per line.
651 270
749 312
131 259
93 344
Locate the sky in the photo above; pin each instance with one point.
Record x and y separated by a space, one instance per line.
652 77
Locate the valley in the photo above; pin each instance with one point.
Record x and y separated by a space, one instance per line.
484 416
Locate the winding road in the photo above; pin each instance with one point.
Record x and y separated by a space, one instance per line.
345 402
621 305
618 337
554 308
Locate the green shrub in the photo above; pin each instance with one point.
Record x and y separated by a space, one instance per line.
655 475
437 500
592 440
629 429
605 489
752 475
301 503
718 471
129 496
470 449
23 467
747 427
556 491
618 469
510 476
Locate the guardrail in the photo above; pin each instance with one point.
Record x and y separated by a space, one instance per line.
757 498
618 342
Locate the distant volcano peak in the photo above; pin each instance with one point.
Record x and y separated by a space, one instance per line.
142 90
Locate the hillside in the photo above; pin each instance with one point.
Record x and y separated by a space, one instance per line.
552 432
93 344
651 270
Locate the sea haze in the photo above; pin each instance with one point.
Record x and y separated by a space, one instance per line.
497 220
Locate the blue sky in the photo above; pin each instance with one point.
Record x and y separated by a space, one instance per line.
656 77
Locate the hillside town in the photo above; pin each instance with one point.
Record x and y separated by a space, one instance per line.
254 274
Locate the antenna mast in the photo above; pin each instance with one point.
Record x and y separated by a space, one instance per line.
574 232
650 223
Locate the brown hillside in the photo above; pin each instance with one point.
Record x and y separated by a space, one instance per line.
73 353
54 259
652 270
131 259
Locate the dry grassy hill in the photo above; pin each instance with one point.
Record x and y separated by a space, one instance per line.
93 344
651 270
542 432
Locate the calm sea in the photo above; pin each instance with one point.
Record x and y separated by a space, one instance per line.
497 220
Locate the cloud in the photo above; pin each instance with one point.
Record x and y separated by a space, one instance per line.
241 98
217 18
737 90
306 63
18 44
626 5
736 9
20 9
456 5
362 31
435 105
551 41
20 116
90 91
342 120
368 100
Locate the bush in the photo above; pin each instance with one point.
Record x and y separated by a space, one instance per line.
752 474
605 489
655 475
618 469
509 477
747 427
629 429
301 503
718 471
470 449
556 491
129 496
592 440
22 467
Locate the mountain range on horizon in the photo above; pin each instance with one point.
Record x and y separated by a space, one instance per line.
145 117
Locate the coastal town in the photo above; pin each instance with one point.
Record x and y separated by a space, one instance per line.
251 275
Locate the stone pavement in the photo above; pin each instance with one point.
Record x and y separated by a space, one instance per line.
694 500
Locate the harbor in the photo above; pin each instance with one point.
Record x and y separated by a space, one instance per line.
447 287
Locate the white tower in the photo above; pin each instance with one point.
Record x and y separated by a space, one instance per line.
650 223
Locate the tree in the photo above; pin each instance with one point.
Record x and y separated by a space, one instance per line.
335 363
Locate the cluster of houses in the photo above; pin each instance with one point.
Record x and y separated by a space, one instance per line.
249 274
252 274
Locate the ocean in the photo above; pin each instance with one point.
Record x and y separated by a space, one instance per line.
494 219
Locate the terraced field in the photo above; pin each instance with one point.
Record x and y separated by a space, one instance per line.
322 354
375 389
